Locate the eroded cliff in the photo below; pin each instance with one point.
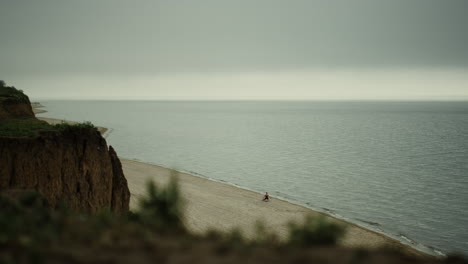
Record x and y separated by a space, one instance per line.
73 165
70 164
10 108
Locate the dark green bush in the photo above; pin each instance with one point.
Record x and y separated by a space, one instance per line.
163 207
69 126
32 231
315 231
26 220
263 236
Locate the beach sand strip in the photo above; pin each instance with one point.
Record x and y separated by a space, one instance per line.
214 205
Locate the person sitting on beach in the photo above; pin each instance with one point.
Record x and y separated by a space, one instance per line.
266 197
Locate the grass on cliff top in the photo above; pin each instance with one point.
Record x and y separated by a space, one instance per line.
30 127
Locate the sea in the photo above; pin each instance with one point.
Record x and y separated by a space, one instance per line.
398 168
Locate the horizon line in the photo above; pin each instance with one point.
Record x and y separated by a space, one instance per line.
261 100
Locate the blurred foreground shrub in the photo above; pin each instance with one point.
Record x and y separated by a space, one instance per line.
315 231
162 208
32 232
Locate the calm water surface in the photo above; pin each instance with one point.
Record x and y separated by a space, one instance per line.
400 168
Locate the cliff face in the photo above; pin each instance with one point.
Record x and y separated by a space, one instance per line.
10 108
72 165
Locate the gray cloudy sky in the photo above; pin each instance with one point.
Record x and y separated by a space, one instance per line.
183 49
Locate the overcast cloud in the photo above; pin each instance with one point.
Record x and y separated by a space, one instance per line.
88 40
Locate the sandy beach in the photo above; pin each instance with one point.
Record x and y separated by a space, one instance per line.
211 204
214 205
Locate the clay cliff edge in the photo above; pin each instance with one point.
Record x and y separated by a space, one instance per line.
71 165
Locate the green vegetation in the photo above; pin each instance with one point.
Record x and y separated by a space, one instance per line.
30 127
163 207
10 92
20 218
315 231
72 126
32 232
21 127
28 223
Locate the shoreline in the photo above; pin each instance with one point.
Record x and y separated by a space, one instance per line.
356 237
227 206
